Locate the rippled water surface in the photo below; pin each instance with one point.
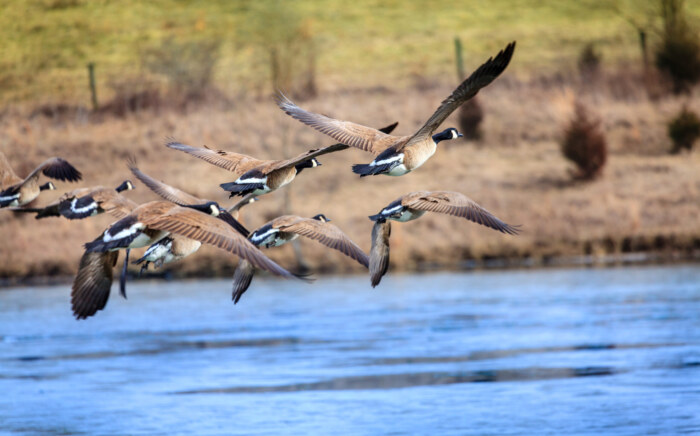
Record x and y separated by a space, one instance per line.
608 351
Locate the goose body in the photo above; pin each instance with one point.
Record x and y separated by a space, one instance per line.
399 155
287 228
414 205
259 177
148 223
16 192
86 202
177 247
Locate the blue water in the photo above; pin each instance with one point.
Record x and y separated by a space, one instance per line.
583 351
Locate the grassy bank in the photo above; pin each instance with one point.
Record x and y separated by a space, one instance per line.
48 43
646 200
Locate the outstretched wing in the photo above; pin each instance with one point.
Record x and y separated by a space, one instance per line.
483 75
317 152
92 283
379 253
228 160
164 190
115 204
456 204
346 132
56 168
210 230
328 235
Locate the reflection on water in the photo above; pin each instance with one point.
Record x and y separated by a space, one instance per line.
521 352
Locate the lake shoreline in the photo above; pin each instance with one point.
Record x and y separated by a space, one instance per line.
676 257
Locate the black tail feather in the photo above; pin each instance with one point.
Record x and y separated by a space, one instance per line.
240 189
371 170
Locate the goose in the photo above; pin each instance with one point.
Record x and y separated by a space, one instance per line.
399 155
15 191
287 228
176 247
149 223
86 202
257 176
414 205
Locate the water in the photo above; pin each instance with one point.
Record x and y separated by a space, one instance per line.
609 351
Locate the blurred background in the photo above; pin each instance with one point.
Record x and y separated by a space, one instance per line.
586 140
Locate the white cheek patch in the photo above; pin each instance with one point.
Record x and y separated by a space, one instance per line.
258 238
395 158
81 210
124 233
454 134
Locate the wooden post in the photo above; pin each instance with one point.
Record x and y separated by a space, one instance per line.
93 88
302 265
460 61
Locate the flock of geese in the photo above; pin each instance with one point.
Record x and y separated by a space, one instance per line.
176 226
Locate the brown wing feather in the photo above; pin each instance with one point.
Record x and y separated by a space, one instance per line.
92 283
228 160
210 230
328 235
114 203
379 254
346 132
483 75
456 204
241 279
164 190
56 168
7 174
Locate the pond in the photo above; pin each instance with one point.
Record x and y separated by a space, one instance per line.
558 351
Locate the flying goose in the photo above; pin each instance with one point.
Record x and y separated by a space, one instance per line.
287 228
85 202
17 192
257 176
398 155
412 206
148 223
176 247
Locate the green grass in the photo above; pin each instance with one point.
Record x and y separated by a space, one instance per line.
47 43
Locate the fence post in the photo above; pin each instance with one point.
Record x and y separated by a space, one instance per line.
93 88
460 61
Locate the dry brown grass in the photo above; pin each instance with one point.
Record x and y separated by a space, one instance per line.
516 171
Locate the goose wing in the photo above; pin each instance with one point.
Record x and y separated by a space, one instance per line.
346 132
317 152
328 235
228 160
92 283
379 254
241 279
483 75
114 203
210 230
56 168
456 204
7 174
164 190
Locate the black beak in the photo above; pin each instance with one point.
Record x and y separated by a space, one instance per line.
459 135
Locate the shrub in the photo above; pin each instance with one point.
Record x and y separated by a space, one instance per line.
678 55
188 65
584 144
684 130
470 116
589 61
